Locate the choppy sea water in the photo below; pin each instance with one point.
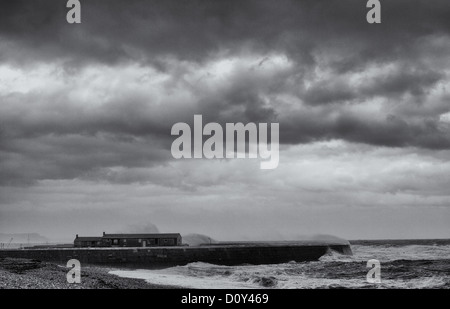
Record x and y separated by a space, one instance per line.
404 264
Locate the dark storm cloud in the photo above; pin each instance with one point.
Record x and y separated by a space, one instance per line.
391 85
391 131
337 68
141 30
67 157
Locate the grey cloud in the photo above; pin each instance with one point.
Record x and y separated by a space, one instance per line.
392 84
56 114
404 80
390 131
73 156
59 139
393 131
111 31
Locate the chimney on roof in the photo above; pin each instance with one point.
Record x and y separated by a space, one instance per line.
103 233
77 236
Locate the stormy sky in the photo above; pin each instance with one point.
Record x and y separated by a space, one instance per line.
86 112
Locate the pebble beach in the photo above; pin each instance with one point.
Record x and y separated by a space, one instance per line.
33 274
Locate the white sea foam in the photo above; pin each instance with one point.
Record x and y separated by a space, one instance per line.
329 271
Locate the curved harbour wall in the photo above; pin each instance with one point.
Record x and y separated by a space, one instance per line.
159 257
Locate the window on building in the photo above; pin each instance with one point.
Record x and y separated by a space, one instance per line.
115 241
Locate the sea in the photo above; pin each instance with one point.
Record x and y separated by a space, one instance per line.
403 264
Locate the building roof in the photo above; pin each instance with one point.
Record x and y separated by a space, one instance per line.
158 235
88 238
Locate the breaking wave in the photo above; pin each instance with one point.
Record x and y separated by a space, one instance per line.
402 266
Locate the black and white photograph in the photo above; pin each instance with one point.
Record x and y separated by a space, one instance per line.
240 145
